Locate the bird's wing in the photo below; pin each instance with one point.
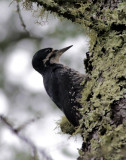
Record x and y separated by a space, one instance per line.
67 84
71 79
63 85
70 88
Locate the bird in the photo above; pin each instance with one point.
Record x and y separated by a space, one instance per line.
62 83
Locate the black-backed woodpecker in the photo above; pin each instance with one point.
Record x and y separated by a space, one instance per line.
62 83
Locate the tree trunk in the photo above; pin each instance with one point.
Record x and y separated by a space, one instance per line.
103 126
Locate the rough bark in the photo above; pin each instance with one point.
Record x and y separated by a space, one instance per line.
103 126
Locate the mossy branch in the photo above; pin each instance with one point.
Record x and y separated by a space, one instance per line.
56 8
94 15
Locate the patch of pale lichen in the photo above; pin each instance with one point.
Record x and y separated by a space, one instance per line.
112 145
66 126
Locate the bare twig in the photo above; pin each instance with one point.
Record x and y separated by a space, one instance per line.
11 2
16 131
21 19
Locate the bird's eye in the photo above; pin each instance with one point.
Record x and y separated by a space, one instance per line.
48 50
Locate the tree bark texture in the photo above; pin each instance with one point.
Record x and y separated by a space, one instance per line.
103 126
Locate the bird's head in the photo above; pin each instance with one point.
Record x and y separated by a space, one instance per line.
46 57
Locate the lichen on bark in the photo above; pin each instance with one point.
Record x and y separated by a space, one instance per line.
103 125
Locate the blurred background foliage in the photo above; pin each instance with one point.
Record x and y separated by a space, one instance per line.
22 95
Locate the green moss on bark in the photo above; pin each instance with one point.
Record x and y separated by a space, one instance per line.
106 86
109 63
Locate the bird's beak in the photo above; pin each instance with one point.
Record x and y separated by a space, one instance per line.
61 51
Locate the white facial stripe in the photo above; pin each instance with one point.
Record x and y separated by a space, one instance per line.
47 58
53 59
